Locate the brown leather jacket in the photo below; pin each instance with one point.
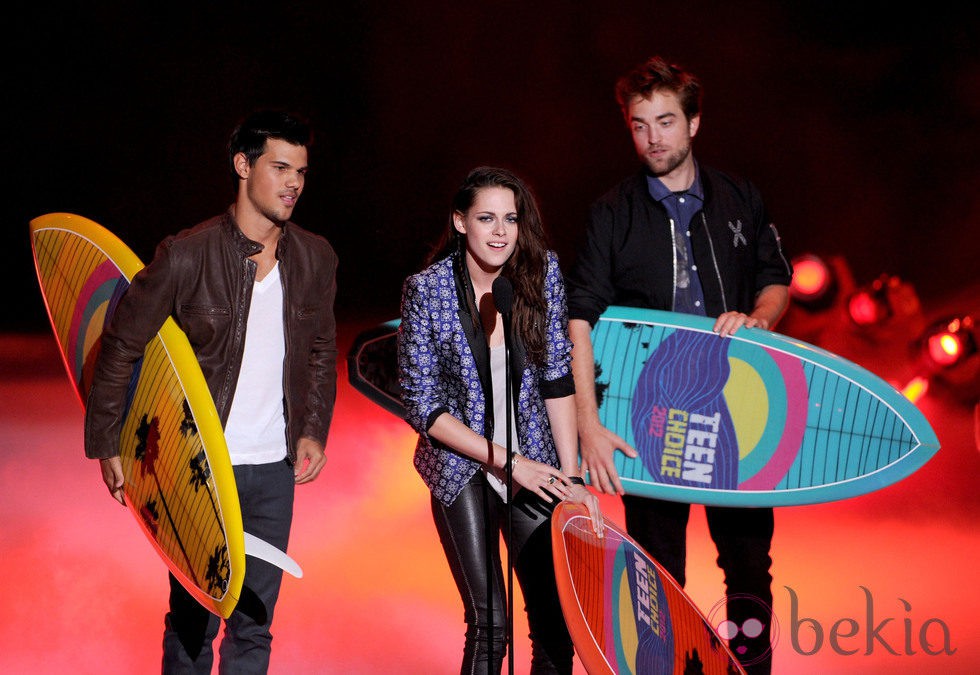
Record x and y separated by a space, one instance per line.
203 278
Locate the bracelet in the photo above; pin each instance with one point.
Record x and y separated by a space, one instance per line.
576 480
514 459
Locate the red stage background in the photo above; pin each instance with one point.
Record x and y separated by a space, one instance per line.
859 123
84 592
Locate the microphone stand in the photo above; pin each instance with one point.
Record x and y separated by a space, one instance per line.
510 497
503 297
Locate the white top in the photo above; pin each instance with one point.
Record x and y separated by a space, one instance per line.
498 377
256 428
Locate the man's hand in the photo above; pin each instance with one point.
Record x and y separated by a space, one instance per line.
112 476
596 446
729 322
310 459
770 304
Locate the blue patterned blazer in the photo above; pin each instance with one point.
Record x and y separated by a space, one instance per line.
444 366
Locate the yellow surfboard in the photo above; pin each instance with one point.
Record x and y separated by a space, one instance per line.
180 486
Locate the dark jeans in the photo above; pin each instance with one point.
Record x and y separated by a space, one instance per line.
463 528
266 495
743 537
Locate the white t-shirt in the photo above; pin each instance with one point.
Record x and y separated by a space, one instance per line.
498 377
256 427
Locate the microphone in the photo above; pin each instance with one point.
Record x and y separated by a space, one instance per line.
503 295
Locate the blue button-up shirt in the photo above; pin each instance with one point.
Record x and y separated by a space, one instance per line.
681 208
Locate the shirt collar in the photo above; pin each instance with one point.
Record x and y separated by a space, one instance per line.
660 192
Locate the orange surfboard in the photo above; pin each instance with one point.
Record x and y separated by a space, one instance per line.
625 613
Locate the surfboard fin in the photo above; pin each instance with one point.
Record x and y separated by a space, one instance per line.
257 548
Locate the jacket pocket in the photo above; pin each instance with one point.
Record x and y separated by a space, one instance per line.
205 323
205 310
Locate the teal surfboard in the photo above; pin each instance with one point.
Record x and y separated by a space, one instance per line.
755 419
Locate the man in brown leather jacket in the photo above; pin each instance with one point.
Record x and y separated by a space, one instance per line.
254 293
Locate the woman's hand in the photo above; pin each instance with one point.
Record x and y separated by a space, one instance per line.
579 494
552 485
542 479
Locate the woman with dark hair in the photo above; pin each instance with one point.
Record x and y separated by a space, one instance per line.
452 364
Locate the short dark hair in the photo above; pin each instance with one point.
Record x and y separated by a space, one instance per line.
655 74
250 135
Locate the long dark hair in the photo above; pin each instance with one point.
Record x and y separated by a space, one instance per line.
525 268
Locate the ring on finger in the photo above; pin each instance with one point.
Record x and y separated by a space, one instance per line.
551 480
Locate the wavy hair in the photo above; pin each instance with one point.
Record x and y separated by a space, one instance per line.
526 266
655 74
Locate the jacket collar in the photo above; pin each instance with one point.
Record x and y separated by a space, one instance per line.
245 246
704 177
469 319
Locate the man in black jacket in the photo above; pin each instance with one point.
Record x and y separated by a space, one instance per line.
683 237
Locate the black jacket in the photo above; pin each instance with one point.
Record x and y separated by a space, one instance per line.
628 255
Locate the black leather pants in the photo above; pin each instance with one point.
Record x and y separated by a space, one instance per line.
475 561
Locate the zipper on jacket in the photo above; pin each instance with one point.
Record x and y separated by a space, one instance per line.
779 247
238 344
714 263
285 358
673 256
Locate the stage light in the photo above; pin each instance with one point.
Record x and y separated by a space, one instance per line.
869 305
916 388
949 342
813 283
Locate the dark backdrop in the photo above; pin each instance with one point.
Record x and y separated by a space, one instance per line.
858 125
